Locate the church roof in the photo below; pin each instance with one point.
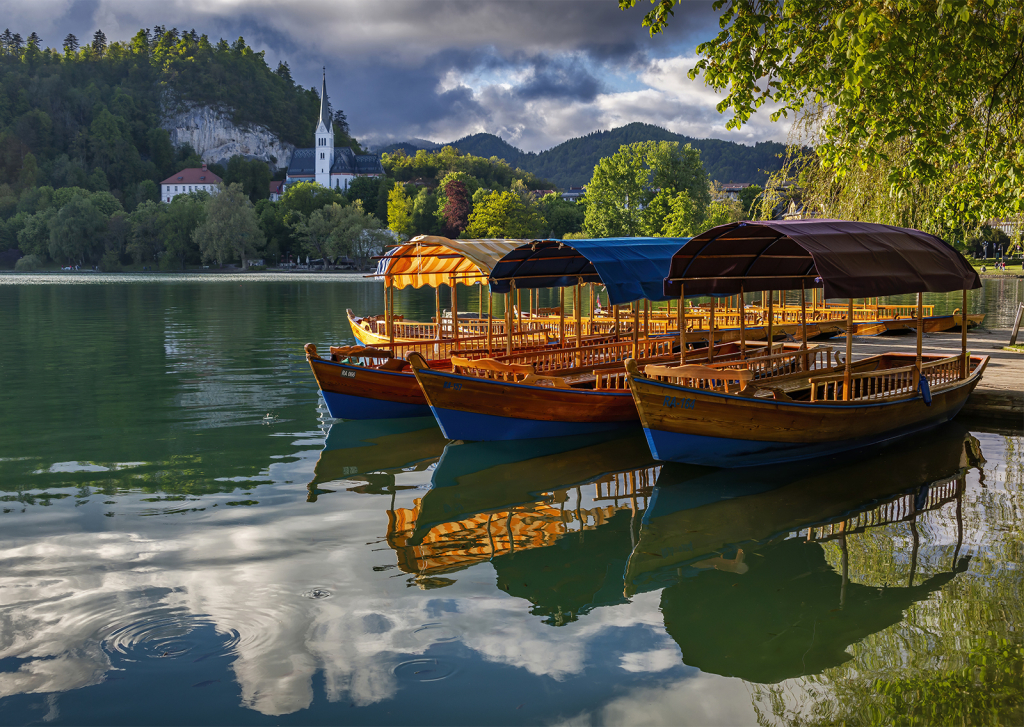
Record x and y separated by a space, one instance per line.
346 161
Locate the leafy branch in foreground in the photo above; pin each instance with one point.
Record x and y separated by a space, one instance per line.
931 91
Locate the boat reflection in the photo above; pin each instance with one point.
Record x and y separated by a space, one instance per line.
753 566
494 499
372 452
759 587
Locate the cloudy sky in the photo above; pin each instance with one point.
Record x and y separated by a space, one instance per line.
535 72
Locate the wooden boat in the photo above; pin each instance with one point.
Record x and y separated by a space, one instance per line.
692 415
575 390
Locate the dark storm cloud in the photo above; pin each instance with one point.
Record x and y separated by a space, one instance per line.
535 71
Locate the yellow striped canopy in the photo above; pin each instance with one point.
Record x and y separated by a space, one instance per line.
428 260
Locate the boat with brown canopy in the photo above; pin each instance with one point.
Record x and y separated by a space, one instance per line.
696 415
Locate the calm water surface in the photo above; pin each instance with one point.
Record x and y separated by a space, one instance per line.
187 537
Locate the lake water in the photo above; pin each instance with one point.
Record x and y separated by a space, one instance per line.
186 537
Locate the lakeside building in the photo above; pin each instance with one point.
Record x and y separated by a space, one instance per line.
733 189
326 164
574 194
276 190
194 179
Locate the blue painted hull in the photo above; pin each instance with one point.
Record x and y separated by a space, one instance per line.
346 406
472 427
716 451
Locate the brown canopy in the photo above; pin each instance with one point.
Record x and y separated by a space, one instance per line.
848 259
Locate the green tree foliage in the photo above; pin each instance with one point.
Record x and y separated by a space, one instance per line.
179 221
335 231
928 96
561 217
631 191
145 242
77 232
430 166
305 198
748 198
252 174
424 213
399 212
230 230
503 215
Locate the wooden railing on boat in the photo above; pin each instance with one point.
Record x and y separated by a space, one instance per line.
886 383
701 377
784 363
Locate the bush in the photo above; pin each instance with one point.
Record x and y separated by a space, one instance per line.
29 262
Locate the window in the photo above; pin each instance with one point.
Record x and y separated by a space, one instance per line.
175 187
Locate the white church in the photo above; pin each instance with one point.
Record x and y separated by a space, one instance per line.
327 165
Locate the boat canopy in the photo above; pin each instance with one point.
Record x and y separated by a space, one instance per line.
848 259
631 268
431 261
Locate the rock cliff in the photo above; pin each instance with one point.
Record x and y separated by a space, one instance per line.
216 139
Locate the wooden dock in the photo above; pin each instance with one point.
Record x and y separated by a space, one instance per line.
1000 395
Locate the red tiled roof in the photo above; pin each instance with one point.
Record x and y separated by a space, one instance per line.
196 175
275 187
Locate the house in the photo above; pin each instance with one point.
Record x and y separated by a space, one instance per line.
189 180
276 190
733 189
574 194
327 165
539 194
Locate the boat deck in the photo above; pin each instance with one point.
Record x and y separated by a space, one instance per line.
1001 391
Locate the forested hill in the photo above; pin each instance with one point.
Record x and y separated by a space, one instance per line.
88 115
571 163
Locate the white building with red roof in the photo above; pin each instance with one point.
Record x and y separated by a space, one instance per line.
276 190
196 179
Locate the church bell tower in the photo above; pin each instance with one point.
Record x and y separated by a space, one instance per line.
324 139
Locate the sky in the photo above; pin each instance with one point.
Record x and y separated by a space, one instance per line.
534 72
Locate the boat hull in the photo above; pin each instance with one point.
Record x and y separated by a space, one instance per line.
363 392
720 430
478 409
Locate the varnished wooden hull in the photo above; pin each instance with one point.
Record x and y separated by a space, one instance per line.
721 430
363 392
478 409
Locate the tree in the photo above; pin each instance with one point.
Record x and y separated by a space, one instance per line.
230 229
34 41
503 215
748 198
630 192
314 232
561 217
683 219
252 174
99 43
77 232
34 235
929 93
306 197
424 213
457 206
341 122
357 234
145 242
180 219
399 212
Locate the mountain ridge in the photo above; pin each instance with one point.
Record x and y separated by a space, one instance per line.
571 163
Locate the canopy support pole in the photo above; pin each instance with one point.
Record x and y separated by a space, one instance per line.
682 328
531 302
490 307
590 318
963 336
519 311
561 317
647 318
615 313
508 319
743 326
771 319
848 372
390 318
577 305
440 323
636 329
455 311
480 302
711 332
803 322
920 329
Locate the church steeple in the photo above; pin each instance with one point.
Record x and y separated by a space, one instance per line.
324 138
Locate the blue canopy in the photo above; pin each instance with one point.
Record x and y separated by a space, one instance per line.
631 268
